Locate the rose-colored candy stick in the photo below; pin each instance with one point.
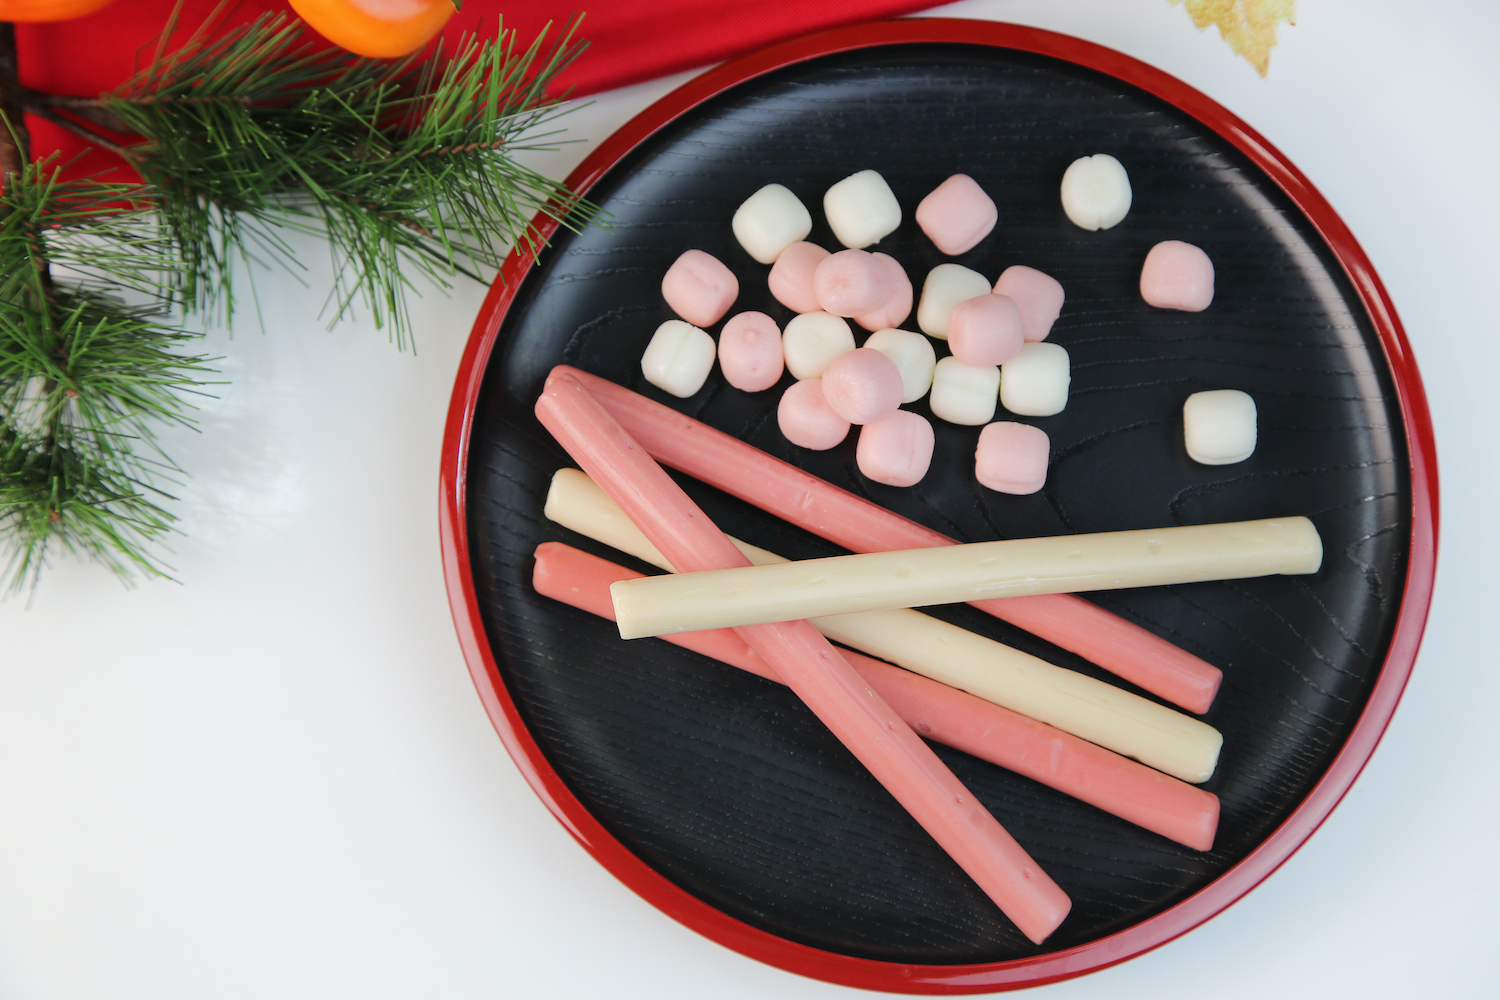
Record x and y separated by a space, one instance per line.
744 471
1076 767
809 664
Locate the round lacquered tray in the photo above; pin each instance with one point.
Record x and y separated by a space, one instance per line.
716 795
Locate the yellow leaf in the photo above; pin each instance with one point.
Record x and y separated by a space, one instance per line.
1249 26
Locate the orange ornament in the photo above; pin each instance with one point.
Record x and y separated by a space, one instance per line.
378 28
47 10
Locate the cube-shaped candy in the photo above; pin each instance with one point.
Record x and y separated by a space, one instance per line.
805 419
897 307
985 330
678 358
861 209
957 215
862 386
1011 457
1096 192
791 277
1039 297
1177 275
699 288
914 357
1034 383
964 394
811 340
896 451
750 351
946 286
852 282
769 221
1219 426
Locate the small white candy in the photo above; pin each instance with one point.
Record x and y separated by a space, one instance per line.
946 286
769 221
1219 426
811 340
861 209
1096 192
915 359
964 394
1034 383
679 358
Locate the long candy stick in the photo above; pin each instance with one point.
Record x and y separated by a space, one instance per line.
1116 719
811 667
914 578
742 470
1075 767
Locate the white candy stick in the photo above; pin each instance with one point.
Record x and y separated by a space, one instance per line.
1118 720
1063 564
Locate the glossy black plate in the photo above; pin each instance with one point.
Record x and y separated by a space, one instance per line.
723 784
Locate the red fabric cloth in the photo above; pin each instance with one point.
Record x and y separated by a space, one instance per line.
629 42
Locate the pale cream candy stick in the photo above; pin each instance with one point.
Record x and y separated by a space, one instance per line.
1123 722
806 419
1075 767
896 308
985 330
678 358
750 351
1096 192
744 471
1177 275
946 286
914 357
1219 426
811 667
957 215
769 221
1035 382
791 277
851 282
699 288
911 578
862 386
811 340
861 209
1039 297
897 450
1012 457
964 394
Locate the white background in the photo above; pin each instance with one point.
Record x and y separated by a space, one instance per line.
275 779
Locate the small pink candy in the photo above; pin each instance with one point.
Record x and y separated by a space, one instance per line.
1177 275
862 386
1039 297
957 215
850 283
699 288
1011 457
985 330
895 451
898 306
805 419
791 277
750 351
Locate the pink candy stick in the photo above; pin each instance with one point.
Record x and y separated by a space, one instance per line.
744 471
1118 785
810 666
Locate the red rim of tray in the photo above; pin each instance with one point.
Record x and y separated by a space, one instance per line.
902 977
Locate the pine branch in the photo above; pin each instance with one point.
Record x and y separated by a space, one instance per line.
84 378
406 167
